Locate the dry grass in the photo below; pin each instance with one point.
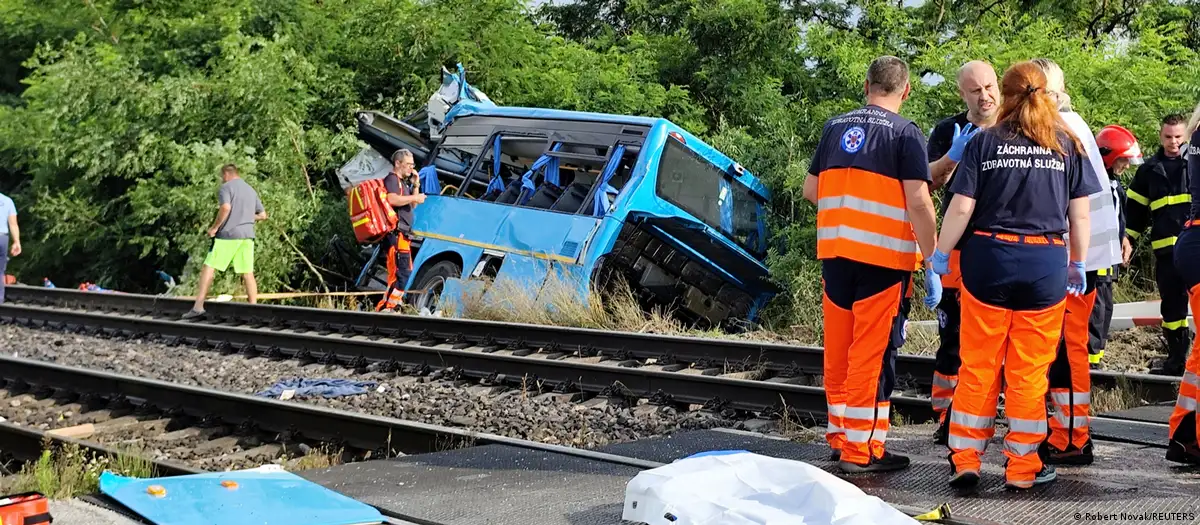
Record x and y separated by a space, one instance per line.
558 303
324 456
1120 398
71 471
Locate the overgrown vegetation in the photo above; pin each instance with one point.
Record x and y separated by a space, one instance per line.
115 116
71 471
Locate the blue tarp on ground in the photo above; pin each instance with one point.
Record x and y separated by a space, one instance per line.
263 496
318 387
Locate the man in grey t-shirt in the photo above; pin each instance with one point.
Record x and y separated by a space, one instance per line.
233 233
8 228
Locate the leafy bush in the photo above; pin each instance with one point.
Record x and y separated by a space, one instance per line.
119 114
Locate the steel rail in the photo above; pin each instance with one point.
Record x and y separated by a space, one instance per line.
566 376
784 360
369 432
773 356
27 444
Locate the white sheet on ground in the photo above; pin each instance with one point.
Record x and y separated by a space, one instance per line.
750 489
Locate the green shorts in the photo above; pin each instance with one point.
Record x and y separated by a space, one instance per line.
238 251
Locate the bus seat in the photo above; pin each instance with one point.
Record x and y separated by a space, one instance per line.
545 197
511 193
572 198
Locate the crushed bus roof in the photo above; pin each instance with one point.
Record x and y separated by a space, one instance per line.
466 107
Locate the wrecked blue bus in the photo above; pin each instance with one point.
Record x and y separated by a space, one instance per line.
530 194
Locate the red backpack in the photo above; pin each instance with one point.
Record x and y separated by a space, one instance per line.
370 213
30 508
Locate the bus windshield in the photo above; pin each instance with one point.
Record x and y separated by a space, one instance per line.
691 182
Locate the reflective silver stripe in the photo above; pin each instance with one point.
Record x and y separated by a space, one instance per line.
868 414
1064 398
962 443
1098 203
942 382
1028 426
1191 379
1101 239
941 403
863 436
1071 422
860 413
866 237
968 420
863 205
835 412
1186 403
1020 449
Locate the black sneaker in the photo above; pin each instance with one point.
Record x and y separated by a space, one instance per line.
836 455
889 462
1181 453
1046 475
1072 456
193 314
963 479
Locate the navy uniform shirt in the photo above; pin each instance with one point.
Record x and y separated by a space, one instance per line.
1018 186
940 140
873 139
1193 158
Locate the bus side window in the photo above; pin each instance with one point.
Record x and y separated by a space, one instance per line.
501 183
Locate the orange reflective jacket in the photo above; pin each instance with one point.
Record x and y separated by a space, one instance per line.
863 216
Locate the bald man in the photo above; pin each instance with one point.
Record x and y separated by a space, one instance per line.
980 92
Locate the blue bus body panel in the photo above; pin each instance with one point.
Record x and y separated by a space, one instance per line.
434 247
641 197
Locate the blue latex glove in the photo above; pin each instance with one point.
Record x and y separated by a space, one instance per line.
1076 283
941 262
959 142
933 289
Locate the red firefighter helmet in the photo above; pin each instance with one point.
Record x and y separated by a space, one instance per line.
1117 142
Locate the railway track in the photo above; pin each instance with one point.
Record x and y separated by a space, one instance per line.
717 374
135 415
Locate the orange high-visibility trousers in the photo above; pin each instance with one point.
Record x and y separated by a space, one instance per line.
399 268
863 328
1070 374
1189 391
1021 343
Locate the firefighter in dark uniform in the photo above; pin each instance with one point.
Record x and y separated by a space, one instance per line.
980 92
1158 199
401 185
1184 425
1120 150
1021 186
870 181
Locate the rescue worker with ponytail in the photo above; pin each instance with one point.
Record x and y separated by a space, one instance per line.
1070 442
1184 425
1021 187
870 181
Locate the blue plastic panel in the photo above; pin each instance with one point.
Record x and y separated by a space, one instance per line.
261 497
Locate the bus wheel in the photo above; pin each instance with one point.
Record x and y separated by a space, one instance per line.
431 282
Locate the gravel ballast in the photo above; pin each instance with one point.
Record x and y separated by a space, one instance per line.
505 411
